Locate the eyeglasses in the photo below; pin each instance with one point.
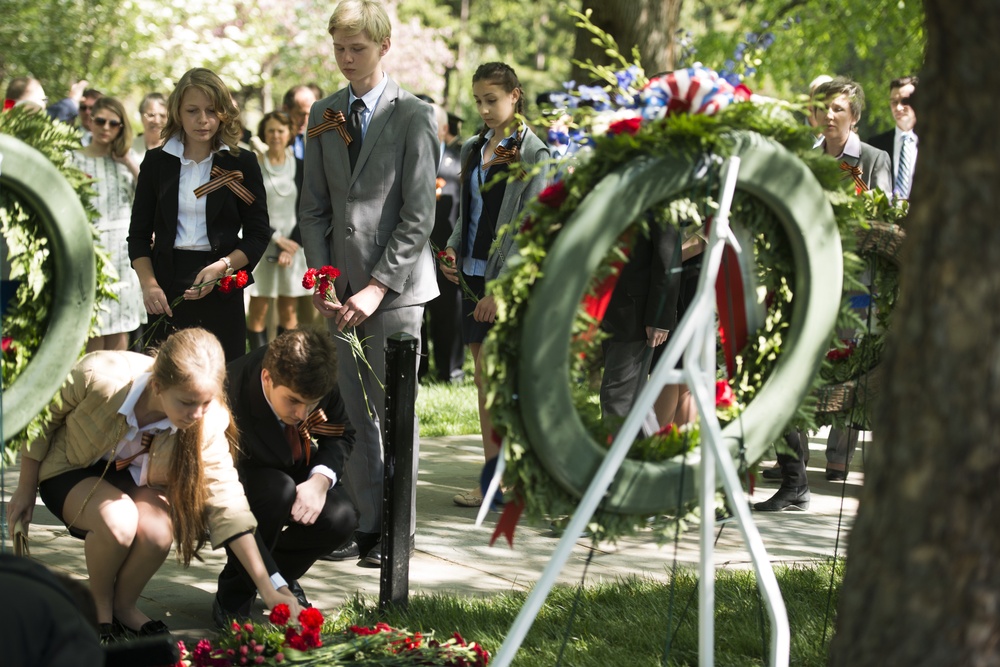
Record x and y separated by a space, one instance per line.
86 107
113 124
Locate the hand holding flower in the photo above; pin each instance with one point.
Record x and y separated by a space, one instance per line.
446 261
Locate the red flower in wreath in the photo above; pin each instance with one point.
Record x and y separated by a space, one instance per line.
554 195
723 394
625 126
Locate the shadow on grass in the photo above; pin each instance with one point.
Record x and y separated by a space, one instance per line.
627 622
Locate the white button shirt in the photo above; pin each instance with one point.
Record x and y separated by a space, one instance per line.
192 227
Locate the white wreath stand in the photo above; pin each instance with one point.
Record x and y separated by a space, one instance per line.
695 340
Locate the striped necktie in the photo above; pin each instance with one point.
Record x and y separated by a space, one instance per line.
147 439
905 171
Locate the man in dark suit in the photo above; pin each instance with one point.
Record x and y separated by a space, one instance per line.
444 314
640 315
901 142
368 209
284 396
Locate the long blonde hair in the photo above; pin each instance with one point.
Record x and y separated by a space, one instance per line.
230 131
187 357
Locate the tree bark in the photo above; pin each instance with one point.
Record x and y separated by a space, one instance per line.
922 585
648 24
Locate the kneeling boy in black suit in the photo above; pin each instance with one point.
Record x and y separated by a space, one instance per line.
283 397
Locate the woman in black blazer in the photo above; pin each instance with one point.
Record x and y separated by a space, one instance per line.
200 213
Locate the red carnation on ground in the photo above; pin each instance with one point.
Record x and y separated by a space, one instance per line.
280 614
554 195
311 618
625 125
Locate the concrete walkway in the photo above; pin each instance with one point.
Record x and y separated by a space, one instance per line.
454 557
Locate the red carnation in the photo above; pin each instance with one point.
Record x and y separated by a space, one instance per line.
445 258
280 614
330 272
625 125
309 279
554 195
226 284
8 343
723 394
242 279
668 429
311 618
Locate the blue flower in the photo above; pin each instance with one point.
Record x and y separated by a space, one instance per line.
596 96
569 85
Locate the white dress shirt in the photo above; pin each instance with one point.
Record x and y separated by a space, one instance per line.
192 227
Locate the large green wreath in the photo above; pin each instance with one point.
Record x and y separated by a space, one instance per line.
31 264
681 134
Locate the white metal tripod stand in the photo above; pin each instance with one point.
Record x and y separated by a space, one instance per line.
695 339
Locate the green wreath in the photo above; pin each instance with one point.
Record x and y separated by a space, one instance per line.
45 218
538 344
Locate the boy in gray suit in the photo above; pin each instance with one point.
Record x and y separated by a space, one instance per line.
367 208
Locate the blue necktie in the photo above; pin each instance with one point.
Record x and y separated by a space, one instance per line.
904 173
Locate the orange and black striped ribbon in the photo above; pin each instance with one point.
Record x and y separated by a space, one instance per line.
229 179
503 155
856 173
332 120
147 440
314 424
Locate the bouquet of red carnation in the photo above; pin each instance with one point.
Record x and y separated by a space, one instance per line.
322 280
227 284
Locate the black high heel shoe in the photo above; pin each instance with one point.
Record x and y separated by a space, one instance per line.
148 629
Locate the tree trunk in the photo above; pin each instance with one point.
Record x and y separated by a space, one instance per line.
922 586
648 24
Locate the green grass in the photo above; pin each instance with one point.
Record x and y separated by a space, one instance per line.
448 409
625 622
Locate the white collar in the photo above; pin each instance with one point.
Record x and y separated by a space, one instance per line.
371 97
128 407
909 133
174 146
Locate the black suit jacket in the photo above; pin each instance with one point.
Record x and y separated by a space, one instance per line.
262 436
446 210
153 228
646 292
885 142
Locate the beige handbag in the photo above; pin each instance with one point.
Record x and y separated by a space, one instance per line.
20 536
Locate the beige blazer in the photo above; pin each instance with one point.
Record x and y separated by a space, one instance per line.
374 222
85 425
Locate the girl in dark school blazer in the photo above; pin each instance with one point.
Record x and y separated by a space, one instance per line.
200 213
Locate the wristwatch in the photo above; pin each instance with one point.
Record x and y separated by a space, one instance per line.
229 265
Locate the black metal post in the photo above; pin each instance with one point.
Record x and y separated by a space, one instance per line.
398 482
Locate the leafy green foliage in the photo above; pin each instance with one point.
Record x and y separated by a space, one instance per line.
871 42
29 256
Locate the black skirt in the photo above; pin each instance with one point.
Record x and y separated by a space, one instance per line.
473 331
222 314
53 491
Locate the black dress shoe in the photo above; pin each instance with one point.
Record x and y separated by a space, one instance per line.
772 473
787 498
347 552
374 556
300 595
224 617
836 475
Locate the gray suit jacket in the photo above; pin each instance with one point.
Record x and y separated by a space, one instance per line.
517 194
374 222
